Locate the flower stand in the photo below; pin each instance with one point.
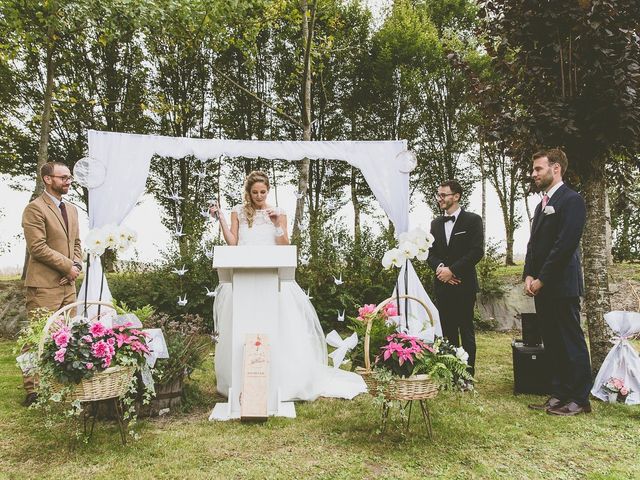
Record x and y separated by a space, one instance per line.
110 384
418 388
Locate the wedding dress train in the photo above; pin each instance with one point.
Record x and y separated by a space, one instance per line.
304 372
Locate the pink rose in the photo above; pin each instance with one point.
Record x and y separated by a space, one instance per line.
624 391
97 329
59 355
89 366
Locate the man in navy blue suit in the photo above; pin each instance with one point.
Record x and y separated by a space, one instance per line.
458 246
553 276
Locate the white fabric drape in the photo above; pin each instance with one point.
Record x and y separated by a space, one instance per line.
418 322
126 159
622 361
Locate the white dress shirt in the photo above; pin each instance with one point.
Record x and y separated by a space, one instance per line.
448 226
55 200
553 189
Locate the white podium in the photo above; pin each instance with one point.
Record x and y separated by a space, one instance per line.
255 273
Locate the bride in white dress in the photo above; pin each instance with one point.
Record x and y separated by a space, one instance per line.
305 374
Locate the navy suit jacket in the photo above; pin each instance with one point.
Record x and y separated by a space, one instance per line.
553 251
465 249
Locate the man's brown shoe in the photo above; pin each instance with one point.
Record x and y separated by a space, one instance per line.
570 409
551 402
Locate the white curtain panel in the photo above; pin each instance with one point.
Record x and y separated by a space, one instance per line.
418 322
125 159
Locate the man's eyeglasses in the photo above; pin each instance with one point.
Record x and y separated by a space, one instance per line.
64 178
443 195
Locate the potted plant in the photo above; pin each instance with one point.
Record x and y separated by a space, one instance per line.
188 347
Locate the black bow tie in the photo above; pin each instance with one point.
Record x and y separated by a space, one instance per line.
451 218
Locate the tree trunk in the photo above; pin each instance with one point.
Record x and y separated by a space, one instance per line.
525 195
594 242
357 231
45 127
45 124
303 166
483 183
609 233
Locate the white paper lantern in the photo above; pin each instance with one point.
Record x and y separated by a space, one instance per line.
89 172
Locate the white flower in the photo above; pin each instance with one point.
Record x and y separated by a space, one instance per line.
462 355
418 235
126 237
404 237
111 236
94 243
409 249
392 258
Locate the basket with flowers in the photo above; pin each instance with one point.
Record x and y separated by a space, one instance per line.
86 359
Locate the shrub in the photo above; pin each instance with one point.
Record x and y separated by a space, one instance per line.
490 284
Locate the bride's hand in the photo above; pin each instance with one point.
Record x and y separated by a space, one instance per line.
215 212
274 215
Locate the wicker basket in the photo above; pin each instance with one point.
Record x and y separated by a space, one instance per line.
110 383
416 387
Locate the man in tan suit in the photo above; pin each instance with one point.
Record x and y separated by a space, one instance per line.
53 240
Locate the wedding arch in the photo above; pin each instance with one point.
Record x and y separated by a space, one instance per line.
118 167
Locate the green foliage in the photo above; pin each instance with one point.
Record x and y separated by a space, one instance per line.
336 253
625 216
378 337
489 281
29 337
187 343
158 286
483 324
578 87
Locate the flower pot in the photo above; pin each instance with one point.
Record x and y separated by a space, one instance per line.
612 397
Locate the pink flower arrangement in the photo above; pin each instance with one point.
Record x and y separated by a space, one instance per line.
401 351
78 351
365 312
616 385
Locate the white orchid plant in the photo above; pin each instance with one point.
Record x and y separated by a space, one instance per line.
115 237
411 245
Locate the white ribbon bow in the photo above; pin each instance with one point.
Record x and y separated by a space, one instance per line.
341 346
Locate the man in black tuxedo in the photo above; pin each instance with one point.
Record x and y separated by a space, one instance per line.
553 276
458 246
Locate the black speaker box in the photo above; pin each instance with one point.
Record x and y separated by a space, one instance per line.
531 336
531 369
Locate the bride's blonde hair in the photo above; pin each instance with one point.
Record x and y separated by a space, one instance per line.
247 204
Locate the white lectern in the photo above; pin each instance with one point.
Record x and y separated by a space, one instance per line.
255 273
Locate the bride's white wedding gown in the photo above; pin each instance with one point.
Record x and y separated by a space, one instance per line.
305 372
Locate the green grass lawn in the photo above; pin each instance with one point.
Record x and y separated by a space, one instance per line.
487 435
